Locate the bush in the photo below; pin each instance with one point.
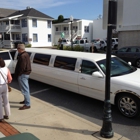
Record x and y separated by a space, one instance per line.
78 48
28 45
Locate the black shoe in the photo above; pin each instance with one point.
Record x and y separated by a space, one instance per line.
5 117
23 102
1 120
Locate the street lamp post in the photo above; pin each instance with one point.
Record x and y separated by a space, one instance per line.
71 20
106 130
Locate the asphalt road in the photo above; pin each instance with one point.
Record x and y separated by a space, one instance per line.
85 107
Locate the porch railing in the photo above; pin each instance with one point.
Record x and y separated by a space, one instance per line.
78 32
6 28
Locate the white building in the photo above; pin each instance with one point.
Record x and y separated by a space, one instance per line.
80 29
29 26
129 32
98 32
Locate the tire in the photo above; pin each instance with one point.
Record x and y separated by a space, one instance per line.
105 48
90 49
138 63
95 49
128 105
115 47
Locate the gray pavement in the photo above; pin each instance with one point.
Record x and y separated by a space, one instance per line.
48 122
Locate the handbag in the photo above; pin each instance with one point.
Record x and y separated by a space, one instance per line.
9 88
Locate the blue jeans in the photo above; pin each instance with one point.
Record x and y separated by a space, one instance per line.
24 87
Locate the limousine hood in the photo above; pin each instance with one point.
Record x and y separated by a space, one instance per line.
129 81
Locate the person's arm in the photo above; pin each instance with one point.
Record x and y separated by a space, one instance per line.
9 77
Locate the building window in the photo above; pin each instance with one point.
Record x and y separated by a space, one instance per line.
17 22
66 28
24 22
6 36
17 37
49 24
49 37
7 22
86 29
24 38
34 22
35 38
56 29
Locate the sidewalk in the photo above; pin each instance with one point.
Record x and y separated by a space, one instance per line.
48 122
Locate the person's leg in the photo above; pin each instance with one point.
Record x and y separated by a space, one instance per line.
1 109
24 86
6 101
20 86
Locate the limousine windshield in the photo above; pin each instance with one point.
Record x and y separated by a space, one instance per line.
118 67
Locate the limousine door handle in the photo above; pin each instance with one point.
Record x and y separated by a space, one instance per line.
82 78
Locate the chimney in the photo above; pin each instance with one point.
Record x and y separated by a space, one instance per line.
28 7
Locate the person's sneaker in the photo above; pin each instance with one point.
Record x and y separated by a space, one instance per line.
5 117
24 107
23 102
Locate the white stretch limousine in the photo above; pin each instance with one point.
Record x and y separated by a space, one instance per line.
84 73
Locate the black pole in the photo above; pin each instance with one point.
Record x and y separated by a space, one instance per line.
71 37
106 130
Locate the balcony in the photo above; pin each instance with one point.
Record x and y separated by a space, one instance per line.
10 28
78 32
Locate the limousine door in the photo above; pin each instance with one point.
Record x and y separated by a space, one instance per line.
8 60
64 73
90 85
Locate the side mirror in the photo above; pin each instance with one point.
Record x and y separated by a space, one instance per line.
97 74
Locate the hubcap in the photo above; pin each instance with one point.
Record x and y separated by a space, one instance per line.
128 106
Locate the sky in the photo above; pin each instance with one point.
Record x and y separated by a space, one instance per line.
79 9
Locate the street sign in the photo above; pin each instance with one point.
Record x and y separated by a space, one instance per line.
119 13
62 35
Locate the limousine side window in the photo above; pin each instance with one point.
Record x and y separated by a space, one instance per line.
42 59
88 67
65 63
5 56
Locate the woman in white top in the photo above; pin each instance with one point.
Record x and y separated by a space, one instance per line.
5 77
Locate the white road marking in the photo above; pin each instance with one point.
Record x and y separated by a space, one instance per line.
40 91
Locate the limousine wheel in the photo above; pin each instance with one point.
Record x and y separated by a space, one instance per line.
128 105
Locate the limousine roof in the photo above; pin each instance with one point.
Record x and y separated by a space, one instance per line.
93 56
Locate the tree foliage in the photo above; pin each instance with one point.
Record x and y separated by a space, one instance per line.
59 20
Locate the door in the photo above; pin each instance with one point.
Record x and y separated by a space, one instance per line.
90 85
64 74
8 60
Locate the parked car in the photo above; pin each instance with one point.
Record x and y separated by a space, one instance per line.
115 43
129 54
84 43
84 73
64 42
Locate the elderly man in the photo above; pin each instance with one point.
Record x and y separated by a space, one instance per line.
22 72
